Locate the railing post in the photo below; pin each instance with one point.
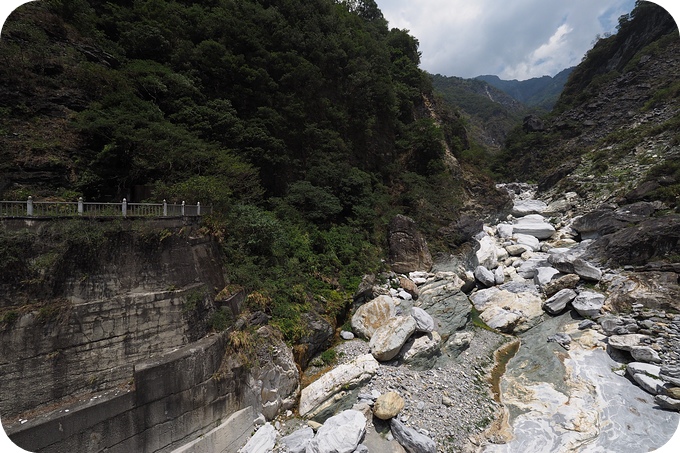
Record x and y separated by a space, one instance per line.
29 206
124 207
165 208
80 205
182 208
198 208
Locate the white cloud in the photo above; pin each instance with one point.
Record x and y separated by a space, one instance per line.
511 38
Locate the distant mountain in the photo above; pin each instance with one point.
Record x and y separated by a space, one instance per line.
490 113
539 92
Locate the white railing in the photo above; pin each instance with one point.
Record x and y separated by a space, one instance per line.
31 208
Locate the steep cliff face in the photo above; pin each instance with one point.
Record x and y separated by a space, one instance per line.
615 125
77 315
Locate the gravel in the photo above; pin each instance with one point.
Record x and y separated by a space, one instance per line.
451 403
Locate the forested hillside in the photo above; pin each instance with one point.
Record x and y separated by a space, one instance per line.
489 113
303 123
539 92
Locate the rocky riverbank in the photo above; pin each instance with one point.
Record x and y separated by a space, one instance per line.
599 336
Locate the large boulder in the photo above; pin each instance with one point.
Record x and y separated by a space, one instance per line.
332 387
388 405
501 319
424 322
522 208
487 254
528 268
277 373
588 303
627 342
297 441
508 311
421 351
408 250
558 302
341 433
485 276
568 281
388 339
410 439
534 225
446 303
607 221
372 315
569 263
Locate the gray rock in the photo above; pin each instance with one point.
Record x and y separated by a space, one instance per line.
499 276
487 254
626 342
424 322
528 268
557 303
421 351
485 276
530 242
634 368
345 335
331 387
534 225
339 434
544 275
263 440
562 339
297 441
501 319
670 373
588 303
667 402
522 208
504 230
650 384
571 264
586 324
410 439
372 315
449 307
388 339
645 354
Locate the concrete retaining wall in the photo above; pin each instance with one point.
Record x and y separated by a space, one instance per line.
176 399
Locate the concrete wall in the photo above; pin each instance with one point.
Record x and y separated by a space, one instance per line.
176 400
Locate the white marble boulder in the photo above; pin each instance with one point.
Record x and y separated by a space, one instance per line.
372 315
388 339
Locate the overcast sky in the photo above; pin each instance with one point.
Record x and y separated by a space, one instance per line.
514 39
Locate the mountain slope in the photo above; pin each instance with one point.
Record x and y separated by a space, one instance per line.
615 125
490 113
539 92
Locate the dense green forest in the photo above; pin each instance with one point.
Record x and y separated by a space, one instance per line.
303 123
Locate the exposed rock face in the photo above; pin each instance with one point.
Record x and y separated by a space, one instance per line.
276 373
444 301
652 239
372 315
331 387
317 340
262 441
408 249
